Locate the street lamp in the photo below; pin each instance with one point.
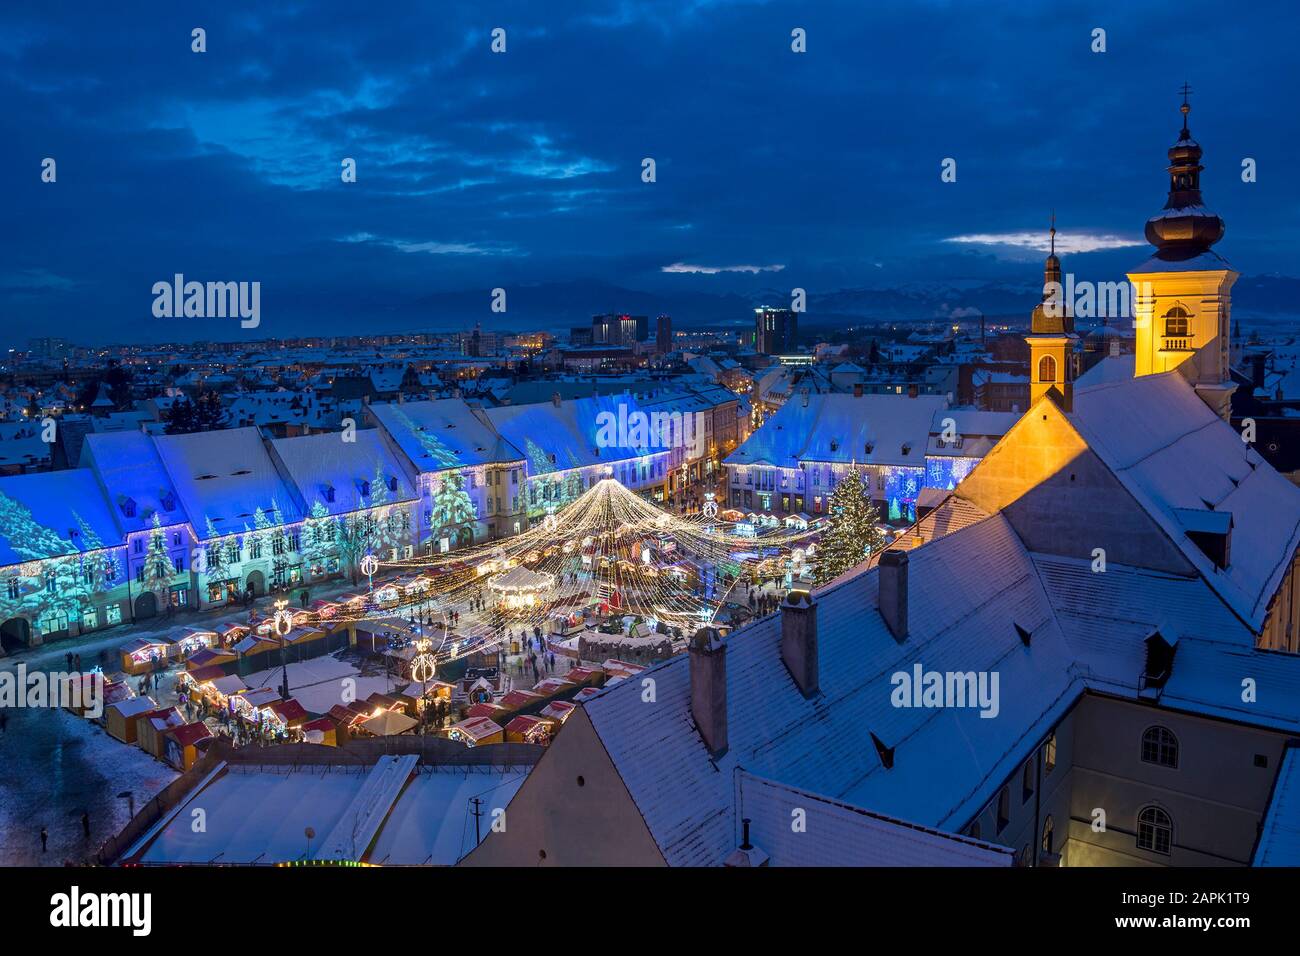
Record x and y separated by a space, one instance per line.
369 565
283 624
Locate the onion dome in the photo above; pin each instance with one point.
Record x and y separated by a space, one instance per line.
1185 228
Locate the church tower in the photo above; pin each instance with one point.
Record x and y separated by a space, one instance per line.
1051 338
1182 295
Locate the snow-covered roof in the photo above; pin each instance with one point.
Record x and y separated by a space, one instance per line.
225 477
130 471
838 834
1172 452
1111 369
968 592
1279 836
441 434
316 463
839 428
564 436
54 513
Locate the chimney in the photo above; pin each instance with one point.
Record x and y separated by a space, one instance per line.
857 389
799 640
893 592
708 662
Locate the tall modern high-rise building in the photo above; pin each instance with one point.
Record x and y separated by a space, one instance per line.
775 330
619 329
664 333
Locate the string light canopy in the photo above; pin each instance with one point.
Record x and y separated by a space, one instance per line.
609 558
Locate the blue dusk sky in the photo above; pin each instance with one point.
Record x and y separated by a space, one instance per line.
523 169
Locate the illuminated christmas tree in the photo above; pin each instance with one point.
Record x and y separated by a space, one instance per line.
852 534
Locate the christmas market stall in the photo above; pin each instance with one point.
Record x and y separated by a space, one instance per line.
228 635
285 716
558 711
388 723
190 640
525 729
153 727
257 653
321 731
249 703
121 719
211 657
218 692
477 731
494 712
81 691
616 670
181 747
518 700
144 655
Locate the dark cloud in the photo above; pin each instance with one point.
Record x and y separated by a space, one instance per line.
477 170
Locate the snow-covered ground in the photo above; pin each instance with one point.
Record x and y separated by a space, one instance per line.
53 767
319 684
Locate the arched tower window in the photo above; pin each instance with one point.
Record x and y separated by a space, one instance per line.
1176 322
1047 369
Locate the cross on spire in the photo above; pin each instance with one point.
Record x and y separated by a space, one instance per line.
1052 232
1186 107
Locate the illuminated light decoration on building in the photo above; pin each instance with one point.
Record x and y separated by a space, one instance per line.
947 473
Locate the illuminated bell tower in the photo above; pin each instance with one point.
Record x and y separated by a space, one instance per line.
1182 296
1051 339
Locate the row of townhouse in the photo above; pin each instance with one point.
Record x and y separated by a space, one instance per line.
148 524
900 444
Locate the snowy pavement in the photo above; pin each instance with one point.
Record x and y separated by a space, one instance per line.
53 767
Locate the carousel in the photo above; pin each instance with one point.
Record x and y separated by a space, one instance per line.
521 590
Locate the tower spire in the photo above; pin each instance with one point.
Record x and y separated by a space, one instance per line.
1053 233
1185 228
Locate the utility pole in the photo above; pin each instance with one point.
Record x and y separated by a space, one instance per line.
478 812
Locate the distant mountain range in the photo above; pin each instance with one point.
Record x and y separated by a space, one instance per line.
561 305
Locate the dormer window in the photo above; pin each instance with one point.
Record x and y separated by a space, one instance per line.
365 489
1159 661
128 507
329 493
168 502
392 485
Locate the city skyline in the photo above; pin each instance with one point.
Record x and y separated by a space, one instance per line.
478 170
